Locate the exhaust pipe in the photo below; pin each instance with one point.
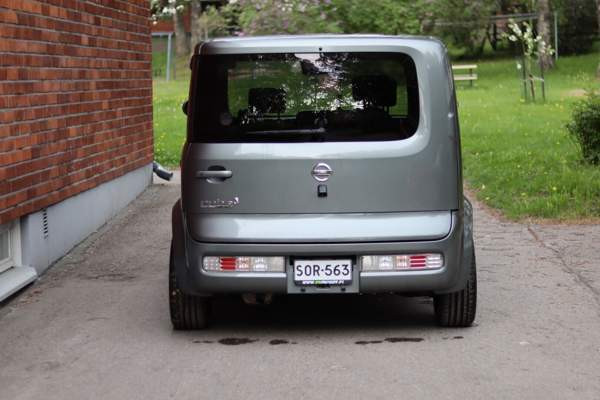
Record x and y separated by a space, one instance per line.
161 171
254 299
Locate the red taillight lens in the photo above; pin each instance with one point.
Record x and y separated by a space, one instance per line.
227 263
419 261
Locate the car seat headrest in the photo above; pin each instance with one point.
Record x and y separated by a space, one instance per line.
375 90
266 100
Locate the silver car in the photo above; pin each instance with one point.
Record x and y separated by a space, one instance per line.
321 164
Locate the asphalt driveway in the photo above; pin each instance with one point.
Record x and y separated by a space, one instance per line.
97 326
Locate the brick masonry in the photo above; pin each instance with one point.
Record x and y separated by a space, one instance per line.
75 98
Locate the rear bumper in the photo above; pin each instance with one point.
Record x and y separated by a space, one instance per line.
188 254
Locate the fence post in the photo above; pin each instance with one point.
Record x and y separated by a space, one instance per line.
169 56
555 36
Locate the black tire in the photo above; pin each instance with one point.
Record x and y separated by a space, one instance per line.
457 309
187 312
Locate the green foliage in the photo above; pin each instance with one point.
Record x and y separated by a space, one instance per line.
169 120
212 23
230 14
519 157
159 63
577 25
585 127
261 17
392 17
463 22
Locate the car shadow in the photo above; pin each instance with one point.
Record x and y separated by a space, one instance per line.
322 313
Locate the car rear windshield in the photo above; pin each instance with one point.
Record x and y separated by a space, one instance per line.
305 97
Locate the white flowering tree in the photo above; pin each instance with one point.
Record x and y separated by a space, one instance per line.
259 17
206 21
533 49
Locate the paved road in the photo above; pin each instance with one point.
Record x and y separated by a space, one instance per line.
96 326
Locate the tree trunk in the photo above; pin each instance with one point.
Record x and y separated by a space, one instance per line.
598 13
543 27
196 23
181 39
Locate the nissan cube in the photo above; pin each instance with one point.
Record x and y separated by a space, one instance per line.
321 164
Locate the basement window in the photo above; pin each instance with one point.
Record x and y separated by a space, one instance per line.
9 245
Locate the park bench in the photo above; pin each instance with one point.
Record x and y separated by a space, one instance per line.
471 76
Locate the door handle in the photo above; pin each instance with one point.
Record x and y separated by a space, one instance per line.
218 174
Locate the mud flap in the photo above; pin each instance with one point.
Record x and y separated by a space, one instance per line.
178 248
467 250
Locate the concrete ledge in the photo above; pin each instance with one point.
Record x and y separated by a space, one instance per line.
48 235
14 279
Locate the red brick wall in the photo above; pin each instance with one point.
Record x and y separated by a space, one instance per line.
75 98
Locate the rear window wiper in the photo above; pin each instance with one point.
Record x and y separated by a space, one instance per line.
288 132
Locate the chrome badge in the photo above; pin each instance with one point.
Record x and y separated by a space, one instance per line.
321 172
218 203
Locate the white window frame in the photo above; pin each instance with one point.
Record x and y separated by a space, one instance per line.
14 245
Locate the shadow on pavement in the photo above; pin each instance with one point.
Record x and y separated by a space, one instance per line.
327 313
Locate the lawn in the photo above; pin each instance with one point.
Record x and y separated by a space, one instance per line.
517 156
169 120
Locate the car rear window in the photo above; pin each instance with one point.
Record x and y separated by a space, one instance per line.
305 97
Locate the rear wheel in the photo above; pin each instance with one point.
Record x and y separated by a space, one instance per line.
187 312
457 309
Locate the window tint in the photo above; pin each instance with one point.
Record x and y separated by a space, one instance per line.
305 97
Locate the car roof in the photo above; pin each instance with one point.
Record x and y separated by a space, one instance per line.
314 43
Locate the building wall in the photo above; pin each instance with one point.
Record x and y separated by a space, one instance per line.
75 98
49 234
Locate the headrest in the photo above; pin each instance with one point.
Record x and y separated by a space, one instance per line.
375 90
266 100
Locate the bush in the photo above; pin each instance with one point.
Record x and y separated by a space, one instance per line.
585 127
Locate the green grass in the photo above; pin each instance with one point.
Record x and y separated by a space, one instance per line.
169 120
517 156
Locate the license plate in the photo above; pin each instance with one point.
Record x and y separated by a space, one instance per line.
323 272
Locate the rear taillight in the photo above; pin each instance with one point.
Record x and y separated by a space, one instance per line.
243 264
402 262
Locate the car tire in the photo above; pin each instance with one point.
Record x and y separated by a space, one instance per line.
187 312
458 309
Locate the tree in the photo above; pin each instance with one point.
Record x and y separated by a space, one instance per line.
182 46
464 22
533 48
392 17
543 27
206 23
577 25
598 15
195 23
259 17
